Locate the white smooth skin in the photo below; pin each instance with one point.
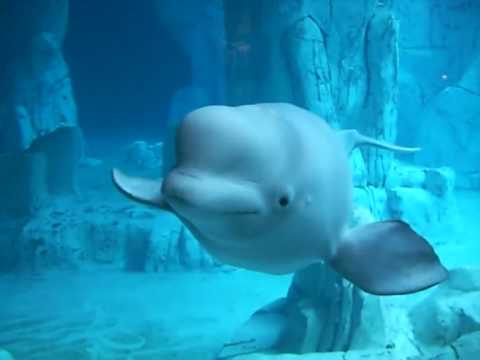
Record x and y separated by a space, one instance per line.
265 187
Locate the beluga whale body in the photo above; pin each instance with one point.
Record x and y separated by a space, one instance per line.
268 187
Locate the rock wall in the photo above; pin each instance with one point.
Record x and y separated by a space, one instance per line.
439 101
37 109
92 235
338 59
198 27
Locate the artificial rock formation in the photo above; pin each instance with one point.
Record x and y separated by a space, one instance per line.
439 100
334 58
142 155
38 123
340 60
450 312
125 237
198 28
444 325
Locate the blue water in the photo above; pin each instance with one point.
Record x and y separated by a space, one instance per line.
86 86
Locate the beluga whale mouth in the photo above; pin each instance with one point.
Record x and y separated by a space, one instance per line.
207 193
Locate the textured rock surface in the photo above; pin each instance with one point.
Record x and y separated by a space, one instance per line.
37 95
450 312
198 27
380 117
85 236
439 83
424 197
173 247
143 156
465 348
336 59
373 199
422 209
350 355
321 313
24 187
332 305
37 109
201 35
449 129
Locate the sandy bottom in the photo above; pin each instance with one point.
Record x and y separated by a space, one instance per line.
128 316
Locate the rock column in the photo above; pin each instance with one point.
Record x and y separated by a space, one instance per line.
40 142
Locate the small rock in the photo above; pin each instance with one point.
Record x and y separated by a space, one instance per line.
439 182
413 205
423 210
464 279
405 175
447 313
143 155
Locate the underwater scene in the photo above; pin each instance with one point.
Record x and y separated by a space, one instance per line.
240 179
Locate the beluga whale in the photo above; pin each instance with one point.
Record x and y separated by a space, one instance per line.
268 187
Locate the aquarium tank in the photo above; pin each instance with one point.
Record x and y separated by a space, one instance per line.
239 179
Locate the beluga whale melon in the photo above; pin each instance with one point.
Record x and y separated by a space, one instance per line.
268 187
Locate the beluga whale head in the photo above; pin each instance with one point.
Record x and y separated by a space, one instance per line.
268 187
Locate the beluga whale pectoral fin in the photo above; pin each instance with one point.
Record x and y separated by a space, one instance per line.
388 258
352 139
143 190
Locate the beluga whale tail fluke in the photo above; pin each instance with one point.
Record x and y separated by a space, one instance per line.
268 187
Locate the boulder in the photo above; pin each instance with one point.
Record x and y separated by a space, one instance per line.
78 237
450 311
440 182
405 175
420 208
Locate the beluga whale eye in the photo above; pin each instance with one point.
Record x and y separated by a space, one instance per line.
284 201
283 198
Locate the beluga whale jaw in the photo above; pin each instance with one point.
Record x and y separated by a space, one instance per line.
268 187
